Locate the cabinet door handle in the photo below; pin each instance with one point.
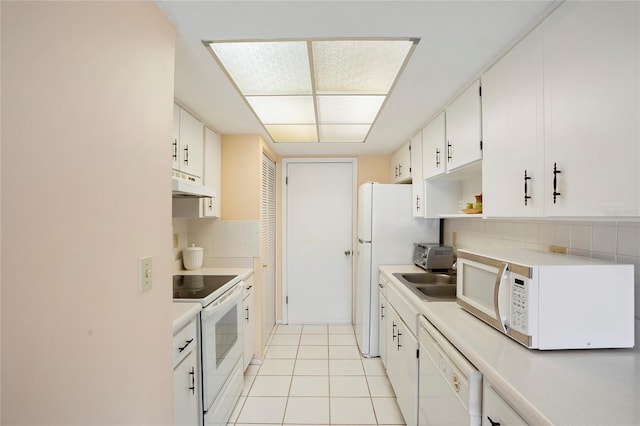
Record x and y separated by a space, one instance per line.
492 422
399 345
175 149
381 311
417 203
185 345
186 155
456 383
555 182
449 156
393 330
246 310
192 373
396 171
399 169
437 158
527 197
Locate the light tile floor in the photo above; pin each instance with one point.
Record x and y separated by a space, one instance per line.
315 375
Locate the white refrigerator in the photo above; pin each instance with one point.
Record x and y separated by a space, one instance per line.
387 231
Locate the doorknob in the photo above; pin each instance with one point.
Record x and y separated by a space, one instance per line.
347 252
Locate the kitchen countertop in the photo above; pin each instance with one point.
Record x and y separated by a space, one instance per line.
567 387
183 313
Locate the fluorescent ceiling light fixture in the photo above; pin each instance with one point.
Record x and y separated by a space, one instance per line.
315 90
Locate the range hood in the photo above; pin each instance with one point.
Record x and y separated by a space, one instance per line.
183 188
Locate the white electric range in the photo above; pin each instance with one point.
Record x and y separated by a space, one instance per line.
220 343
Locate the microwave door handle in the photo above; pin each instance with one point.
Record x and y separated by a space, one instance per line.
500 286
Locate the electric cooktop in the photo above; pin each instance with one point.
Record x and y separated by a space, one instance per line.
198 288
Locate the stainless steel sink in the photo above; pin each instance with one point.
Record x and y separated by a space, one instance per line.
431 286
428 278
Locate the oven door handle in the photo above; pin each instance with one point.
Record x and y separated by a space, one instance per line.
223 301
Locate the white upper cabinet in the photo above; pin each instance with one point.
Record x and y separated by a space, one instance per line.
417 184
401 164
175 147
464 132
187 144
211 178
591 90
513 132
433 147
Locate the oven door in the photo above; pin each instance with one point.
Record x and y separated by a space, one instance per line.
483 288
221 343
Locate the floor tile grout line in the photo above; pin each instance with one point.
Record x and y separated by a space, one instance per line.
328 360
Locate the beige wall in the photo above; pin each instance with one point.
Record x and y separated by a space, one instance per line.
240 176
374 168
87 91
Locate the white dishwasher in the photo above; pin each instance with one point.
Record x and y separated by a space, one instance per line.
450 387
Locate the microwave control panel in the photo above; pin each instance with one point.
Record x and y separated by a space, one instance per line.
519 304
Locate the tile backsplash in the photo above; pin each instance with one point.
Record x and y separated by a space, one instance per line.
219 238
614 241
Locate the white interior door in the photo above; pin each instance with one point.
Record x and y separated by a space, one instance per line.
319 238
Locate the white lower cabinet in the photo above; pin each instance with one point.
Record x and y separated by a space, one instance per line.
383 313
185 376
496 411
402 355
249 321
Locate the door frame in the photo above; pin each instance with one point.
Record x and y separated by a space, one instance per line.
285 229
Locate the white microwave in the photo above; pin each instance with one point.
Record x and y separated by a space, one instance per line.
549 301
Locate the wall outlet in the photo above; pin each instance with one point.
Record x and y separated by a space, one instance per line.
558 249
146 274
176 240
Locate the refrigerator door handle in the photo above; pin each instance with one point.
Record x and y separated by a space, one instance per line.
361 241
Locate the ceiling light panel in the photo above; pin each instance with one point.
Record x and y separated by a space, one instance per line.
358 66
348 109
266 68
344 133
314 90
292 132
283 109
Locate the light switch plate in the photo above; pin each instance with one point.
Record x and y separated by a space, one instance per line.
146 274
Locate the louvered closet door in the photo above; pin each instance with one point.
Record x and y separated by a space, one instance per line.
268 239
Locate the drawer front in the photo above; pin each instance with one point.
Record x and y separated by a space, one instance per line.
184 341
404 310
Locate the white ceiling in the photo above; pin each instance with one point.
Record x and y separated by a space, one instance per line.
459 40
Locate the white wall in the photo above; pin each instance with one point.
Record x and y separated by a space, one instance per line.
87 91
